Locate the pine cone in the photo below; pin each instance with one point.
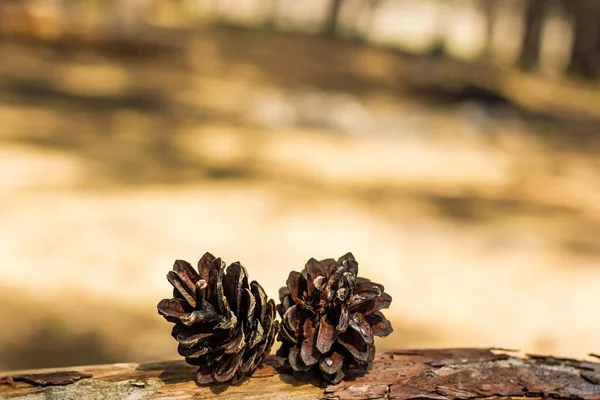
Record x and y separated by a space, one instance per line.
222 324
329 317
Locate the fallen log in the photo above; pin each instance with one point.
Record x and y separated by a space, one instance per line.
442 374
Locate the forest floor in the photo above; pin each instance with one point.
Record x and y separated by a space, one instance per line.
474 197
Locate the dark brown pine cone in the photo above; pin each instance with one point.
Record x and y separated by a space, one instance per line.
329 317
223 324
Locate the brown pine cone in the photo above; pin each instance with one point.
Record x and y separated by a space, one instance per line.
223 324
329 317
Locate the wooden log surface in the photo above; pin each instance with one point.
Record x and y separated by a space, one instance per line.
403 374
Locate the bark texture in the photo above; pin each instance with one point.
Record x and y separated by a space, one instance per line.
585 53
532 36
404 374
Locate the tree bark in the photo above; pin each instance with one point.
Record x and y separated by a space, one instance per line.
489 10
404 374
331 22
585 52
535 11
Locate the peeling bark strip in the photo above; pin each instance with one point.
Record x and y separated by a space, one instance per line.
411 374
7 380
48 379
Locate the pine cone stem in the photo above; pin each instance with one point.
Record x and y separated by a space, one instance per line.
200 293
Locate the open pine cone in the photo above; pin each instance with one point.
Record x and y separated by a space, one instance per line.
223 324
329 317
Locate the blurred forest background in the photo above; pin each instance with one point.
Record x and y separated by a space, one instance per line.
451 145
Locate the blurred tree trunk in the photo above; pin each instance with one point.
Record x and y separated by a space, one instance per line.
128 16
596 51
370 8
272 7
489 9
535 10
364 9
331 21
585 57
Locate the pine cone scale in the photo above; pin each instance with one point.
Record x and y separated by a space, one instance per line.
285 334
228 368
352 341
326 336
228 321
265 347
268 320
215 293
380 326
344 319
186 272
296 285
332 363
204 375
284 292
185 291
264 333
231 284
249 305
171 309
368 306
309 352
364 284
296 362
360 325
187 340
247 365
290 319
334 378
192 352
211 268
313 272
262 303
198 316
236 344
211 271
256 336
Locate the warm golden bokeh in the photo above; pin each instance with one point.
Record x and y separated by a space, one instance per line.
470 189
